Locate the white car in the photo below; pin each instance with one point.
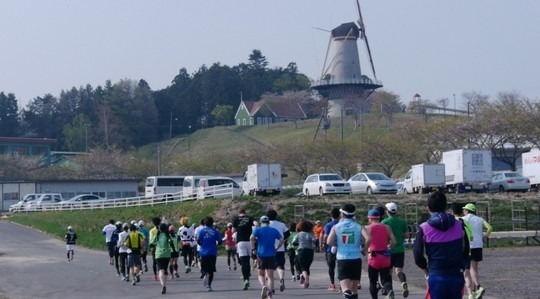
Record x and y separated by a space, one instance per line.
325 183
83 200
372 182
21 204
45 201
218 187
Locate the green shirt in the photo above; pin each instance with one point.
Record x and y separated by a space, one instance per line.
163 247
399 228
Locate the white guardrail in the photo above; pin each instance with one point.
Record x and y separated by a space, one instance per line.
222 192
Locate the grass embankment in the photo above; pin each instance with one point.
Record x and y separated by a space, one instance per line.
88 224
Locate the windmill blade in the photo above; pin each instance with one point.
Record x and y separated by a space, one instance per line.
364 37
321 29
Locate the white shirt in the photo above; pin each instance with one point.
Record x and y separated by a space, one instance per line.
281 228
197 230
186 234
108 230
477 225
121 240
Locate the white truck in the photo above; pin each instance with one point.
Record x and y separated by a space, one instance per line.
530 162
423 178
467 170
262 179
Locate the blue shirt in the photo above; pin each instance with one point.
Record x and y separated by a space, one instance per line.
146 234
208 238
327 229
348 234
266 238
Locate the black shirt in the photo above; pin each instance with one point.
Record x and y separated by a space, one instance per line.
243 225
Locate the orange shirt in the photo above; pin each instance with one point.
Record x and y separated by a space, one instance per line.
317 231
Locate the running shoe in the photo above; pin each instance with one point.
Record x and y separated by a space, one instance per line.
163 289
246 285
282 285
234 268
479 293
471 296
332 287
229 268
293 278
145 268
302 279
405 288
209 289
133 282
154 277
138 277
205 280
264 293
177 275
390 295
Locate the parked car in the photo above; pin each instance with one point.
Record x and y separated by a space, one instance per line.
22 203
509 181
218 187
372 182
83 200
45 201
325 183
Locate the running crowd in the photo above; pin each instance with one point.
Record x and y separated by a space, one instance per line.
447 248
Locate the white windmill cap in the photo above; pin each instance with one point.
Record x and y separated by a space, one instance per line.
392 207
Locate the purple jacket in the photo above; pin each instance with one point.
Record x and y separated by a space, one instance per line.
443 240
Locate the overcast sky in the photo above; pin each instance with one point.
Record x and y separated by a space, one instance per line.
435 48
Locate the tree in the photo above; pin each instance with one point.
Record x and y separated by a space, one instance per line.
9 117
42 119
386 105
76 134
223 114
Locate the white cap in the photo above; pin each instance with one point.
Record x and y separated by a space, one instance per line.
392 207
141 223
70 227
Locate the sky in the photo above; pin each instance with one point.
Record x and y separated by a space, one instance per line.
438 49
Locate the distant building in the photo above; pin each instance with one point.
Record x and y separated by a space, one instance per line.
267 112
15 146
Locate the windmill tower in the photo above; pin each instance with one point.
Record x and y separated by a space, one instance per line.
341 79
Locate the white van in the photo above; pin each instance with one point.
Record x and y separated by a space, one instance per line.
191 183
218 187
169 186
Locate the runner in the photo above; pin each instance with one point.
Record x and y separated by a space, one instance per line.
156 221
186 241
329 255
161 242
242 225
144 253
198 247
208 238
114 239
441 241
345 236
400 231
135 243
280 254
122 251
173 262
71 241
477 225
230 246
318 231
379 243
107 232
291 252
457 210
305 241
266 237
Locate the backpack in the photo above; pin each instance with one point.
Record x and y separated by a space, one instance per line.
114 237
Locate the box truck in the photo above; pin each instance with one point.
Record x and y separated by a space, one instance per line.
530 162
424 178
467 170
262 179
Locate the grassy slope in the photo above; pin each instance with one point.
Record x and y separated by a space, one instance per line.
88 224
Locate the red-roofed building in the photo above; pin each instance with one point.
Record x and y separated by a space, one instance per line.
267 112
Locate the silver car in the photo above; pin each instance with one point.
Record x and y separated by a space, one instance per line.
372 182
509 181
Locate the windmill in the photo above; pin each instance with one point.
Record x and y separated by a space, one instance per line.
341 80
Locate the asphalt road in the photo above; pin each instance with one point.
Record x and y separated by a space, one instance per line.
34 265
